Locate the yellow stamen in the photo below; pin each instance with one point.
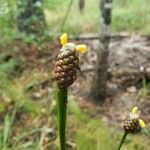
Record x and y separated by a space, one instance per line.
64 39
141 123
134 110
81 48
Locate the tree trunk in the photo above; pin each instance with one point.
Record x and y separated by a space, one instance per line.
30 18
99 88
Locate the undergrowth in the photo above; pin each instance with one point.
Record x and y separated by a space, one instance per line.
87 132
130 16
93 133
13 89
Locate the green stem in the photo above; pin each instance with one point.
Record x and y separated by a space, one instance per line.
122 140
66 15
62 109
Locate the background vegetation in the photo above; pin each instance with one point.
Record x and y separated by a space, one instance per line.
131 16
87 131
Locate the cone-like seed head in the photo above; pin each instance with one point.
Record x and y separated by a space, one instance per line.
66 66
131 124
67 63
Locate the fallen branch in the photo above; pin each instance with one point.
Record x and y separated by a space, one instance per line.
115 37
118 73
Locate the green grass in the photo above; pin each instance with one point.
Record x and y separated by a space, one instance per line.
77 22
131 16
86 132
13 89
8 122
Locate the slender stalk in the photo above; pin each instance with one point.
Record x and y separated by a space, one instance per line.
122 140
62 109
66 15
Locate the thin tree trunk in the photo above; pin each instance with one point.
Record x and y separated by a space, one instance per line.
81 5
99 88
30 18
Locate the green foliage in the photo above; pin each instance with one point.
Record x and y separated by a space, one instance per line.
53 5
14 90
7 35
7 21
145 88
8 122
33 39
131 16
6 141
8 24
33 145
30 18
85 22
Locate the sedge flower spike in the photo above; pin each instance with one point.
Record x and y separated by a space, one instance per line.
133 123
66 68
68 63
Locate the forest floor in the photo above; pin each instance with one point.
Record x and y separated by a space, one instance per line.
128 78
128 83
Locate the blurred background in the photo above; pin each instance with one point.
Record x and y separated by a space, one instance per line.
114 77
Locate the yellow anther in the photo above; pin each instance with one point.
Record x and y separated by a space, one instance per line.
141 123
64 39
81 48
134 110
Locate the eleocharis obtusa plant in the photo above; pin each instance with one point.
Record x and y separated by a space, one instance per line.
132 124
62 109
66 68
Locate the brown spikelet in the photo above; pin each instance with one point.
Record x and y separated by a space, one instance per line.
131 124
66 66
81 4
